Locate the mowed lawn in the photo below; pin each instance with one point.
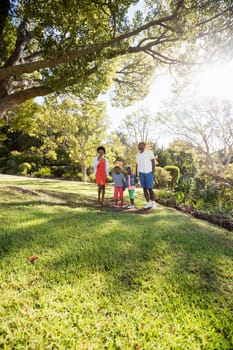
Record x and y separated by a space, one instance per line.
108 279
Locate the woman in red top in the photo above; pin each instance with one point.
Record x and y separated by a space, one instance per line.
101 173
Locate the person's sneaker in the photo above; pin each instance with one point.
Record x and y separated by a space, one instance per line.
153 205
130 206
147 206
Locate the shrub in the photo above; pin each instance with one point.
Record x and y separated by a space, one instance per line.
43 172
90 170
183 189
33 166
109 179
10 163
11 167
229 172
2 170
11 171
3 161
91 178
58 171
24 168
162 178
79 176
165 194
72 171
26 157
175 175
214 193
51 155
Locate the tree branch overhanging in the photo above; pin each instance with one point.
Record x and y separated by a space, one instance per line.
7 72
13 101
24 62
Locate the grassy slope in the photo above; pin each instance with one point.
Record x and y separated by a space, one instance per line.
106 279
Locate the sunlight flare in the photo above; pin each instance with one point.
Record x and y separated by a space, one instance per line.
217 81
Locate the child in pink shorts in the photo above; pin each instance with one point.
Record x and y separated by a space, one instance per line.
118 179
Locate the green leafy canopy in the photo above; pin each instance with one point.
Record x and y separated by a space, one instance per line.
58 46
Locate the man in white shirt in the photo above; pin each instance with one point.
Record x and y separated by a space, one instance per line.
145 166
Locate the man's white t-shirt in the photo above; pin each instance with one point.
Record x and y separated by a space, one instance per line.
144 161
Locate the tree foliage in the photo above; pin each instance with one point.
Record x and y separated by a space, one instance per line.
61 46
61 131
140 126
184 156
175 174
162 177
208 125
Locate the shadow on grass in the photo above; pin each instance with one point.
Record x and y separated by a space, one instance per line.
73 242
71 200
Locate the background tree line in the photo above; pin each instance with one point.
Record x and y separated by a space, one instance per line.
59 139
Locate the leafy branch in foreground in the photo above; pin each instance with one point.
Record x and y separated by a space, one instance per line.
62 46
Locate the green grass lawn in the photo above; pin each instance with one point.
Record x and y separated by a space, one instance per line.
107 279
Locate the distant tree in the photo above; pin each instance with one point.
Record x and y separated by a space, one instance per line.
59 127
207 125
162 155
77 126
140 126
91 129
117 148
184 156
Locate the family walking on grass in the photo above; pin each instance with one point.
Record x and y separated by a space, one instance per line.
145 166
